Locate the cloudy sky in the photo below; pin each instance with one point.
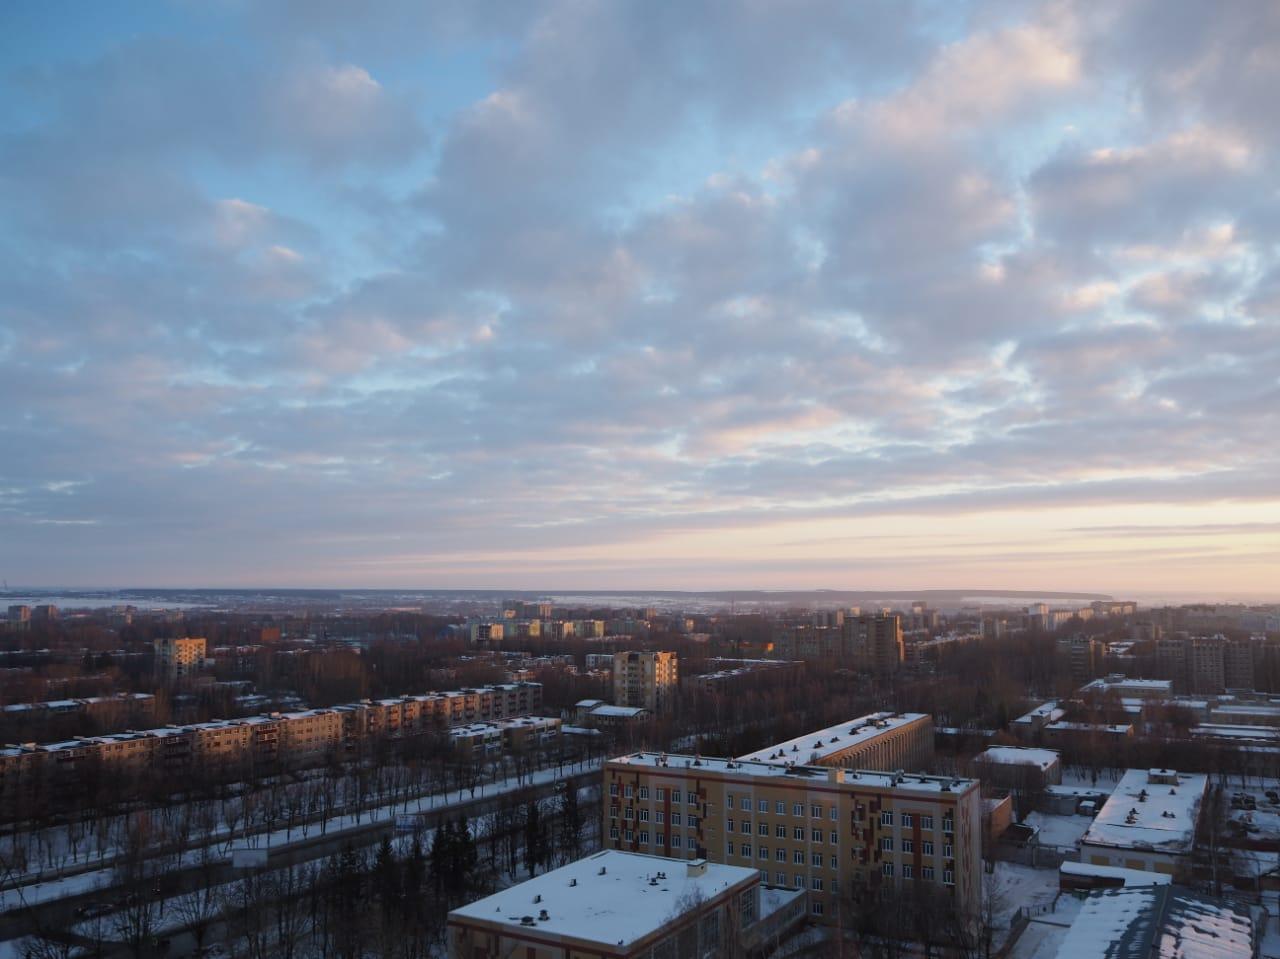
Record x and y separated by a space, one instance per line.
641 294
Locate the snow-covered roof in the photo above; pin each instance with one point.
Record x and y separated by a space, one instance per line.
1131 877
1156 921
1019 756
701 765
614 898
1142 813
816 746
1046 711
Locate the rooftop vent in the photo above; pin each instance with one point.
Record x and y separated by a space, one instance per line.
542 915
601 872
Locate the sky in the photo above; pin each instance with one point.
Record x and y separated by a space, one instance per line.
639 294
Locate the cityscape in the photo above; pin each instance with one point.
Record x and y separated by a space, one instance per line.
640 479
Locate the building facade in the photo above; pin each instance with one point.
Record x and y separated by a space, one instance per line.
845 836
648 680
179 658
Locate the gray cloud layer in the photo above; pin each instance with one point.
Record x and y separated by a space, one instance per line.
265 316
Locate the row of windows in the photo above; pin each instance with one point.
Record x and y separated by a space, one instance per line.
780 831
690 798
907 820
659 816
926 872
659 838
780 807
908 845
816 859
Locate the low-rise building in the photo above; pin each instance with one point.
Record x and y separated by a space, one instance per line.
1149 822
1017 767
619 905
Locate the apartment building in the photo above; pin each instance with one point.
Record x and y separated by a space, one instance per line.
1084 655
1207 665
881 741
872 643
229 746
179 658
645 679
481 739
838 833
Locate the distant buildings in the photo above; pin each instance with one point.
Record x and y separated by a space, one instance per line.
648 680
872 643
1207 664
179 658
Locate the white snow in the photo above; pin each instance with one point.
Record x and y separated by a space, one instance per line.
816 746
1141 814
1045 759
634 896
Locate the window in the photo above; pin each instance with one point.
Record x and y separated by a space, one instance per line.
816 835
816 908
746 850
815 811
675 795
886 843
762 828
816 883
660 838
781 878
833 837
926 822
613 789
631 836
693 822
762 852
886 869
815 859
906 820
780 831
799 881
628 813
675 819
798 857
835 813
908 871
691 798
644 815
613 832
728 800
676 841
613 812
644 836
780 854
948 877
729 826
797 809
926 847
780 808
762 805
660 794
948 824
833 862
660 816
886 818
644 792
946 851
745 803
798 833
746 826
908 845
926 872
629 791
728 849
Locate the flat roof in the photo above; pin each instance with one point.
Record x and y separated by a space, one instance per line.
697 765
614 898
1131 877
1019 756
816 746
1141 814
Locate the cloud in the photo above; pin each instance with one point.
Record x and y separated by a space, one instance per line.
594 277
